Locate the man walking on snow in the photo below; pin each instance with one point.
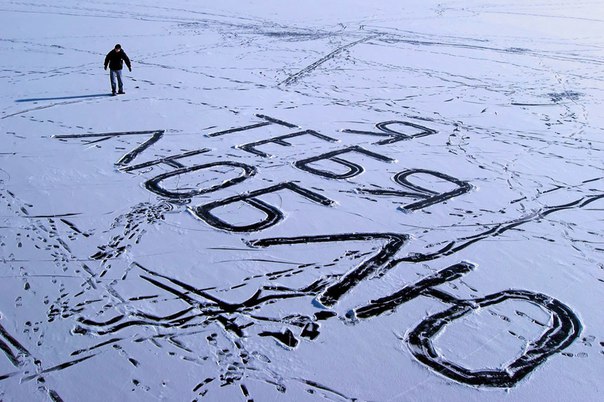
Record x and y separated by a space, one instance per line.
115 59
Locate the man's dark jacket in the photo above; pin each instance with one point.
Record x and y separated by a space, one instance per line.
115 60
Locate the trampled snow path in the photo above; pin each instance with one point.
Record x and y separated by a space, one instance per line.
346 202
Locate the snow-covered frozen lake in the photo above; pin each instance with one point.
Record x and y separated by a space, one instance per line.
302 201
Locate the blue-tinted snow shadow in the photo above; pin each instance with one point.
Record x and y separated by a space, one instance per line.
62 98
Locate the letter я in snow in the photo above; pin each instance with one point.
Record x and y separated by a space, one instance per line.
115 59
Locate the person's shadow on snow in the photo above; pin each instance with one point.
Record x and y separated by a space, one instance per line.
62 98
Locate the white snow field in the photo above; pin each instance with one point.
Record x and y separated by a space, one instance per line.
302 201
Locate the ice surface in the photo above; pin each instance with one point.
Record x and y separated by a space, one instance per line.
375 201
